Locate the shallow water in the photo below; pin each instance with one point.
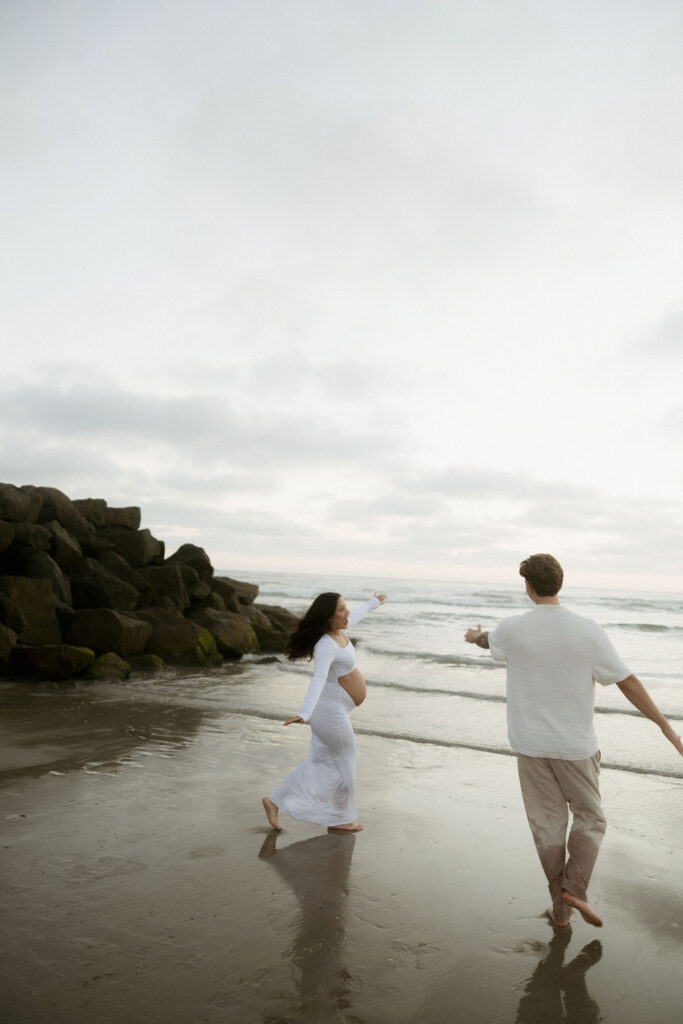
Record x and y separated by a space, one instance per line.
425 683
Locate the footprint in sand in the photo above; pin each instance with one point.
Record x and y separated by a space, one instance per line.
206 851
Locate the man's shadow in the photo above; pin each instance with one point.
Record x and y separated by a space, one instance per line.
557 994
317 872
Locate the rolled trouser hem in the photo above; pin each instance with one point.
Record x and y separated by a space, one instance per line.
574 889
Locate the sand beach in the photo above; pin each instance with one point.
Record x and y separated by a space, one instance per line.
141 882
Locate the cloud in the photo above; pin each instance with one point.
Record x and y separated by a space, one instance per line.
368 275
661 346
193 428
471 517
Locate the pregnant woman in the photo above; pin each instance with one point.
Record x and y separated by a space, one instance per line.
321 788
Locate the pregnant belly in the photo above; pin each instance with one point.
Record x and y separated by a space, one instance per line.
354 684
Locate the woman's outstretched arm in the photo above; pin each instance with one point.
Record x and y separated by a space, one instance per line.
359 613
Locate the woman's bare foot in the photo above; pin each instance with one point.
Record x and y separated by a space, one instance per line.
353 827
271 813
587 913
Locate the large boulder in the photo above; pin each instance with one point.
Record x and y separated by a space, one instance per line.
64 548
195 557
246 592
119 567
19 504
32 535
97 546
272 633
104 630
197 588
138 547
280 617
8 641
147 664
37 565
92 509
35 600
127 518
65 614
93 587
167 581
108 666
211 600
227 593
7 531
11 614
57 662
178 640
232 633
200 591
57 506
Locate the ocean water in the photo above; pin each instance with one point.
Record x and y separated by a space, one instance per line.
427 685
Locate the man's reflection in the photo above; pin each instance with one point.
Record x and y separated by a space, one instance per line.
557 994
317 871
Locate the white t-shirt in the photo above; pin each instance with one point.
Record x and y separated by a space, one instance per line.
554 658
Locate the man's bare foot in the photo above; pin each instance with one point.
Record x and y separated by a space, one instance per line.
558 924
271 813
587 913
353 827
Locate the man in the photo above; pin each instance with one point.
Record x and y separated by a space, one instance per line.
554 658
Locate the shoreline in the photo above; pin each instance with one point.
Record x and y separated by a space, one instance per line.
144 884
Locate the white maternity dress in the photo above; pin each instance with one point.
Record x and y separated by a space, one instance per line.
321 788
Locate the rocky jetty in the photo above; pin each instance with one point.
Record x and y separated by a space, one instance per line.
85 592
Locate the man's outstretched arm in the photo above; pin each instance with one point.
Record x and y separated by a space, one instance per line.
478 636
635 692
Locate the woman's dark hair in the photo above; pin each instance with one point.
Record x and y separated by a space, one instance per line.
311 627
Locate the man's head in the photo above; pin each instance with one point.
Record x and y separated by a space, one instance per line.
543 573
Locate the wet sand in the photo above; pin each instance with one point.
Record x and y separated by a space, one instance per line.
141 883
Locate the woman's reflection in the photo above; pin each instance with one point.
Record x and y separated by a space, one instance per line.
317 871
557 994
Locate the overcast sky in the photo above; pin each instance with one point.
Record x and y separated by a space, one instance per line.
385 287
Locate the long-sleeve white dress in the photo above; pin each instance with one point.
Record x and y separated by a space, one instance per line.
321 788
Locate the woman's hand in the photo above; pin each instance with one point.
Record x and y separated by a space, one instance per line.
291 721
472 635
380 597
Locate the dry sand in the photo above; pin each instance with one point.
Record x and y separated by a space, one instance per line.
142 884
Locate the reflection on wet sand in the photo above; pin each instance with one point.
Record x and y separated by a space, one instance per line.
317 871
66 728
557 994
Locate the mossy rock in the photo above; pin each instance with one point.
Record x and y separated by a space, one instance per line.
108 666
179 641
57 662
147 664
206 651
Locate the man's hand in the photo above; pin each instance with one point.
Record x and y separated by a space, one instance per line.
477 636
673 737
635 692
291 721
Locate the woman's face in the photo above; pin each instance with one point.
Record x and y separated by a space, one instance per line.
340 619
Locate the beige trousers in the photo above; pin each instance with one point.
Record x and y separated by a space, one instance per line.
550 788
